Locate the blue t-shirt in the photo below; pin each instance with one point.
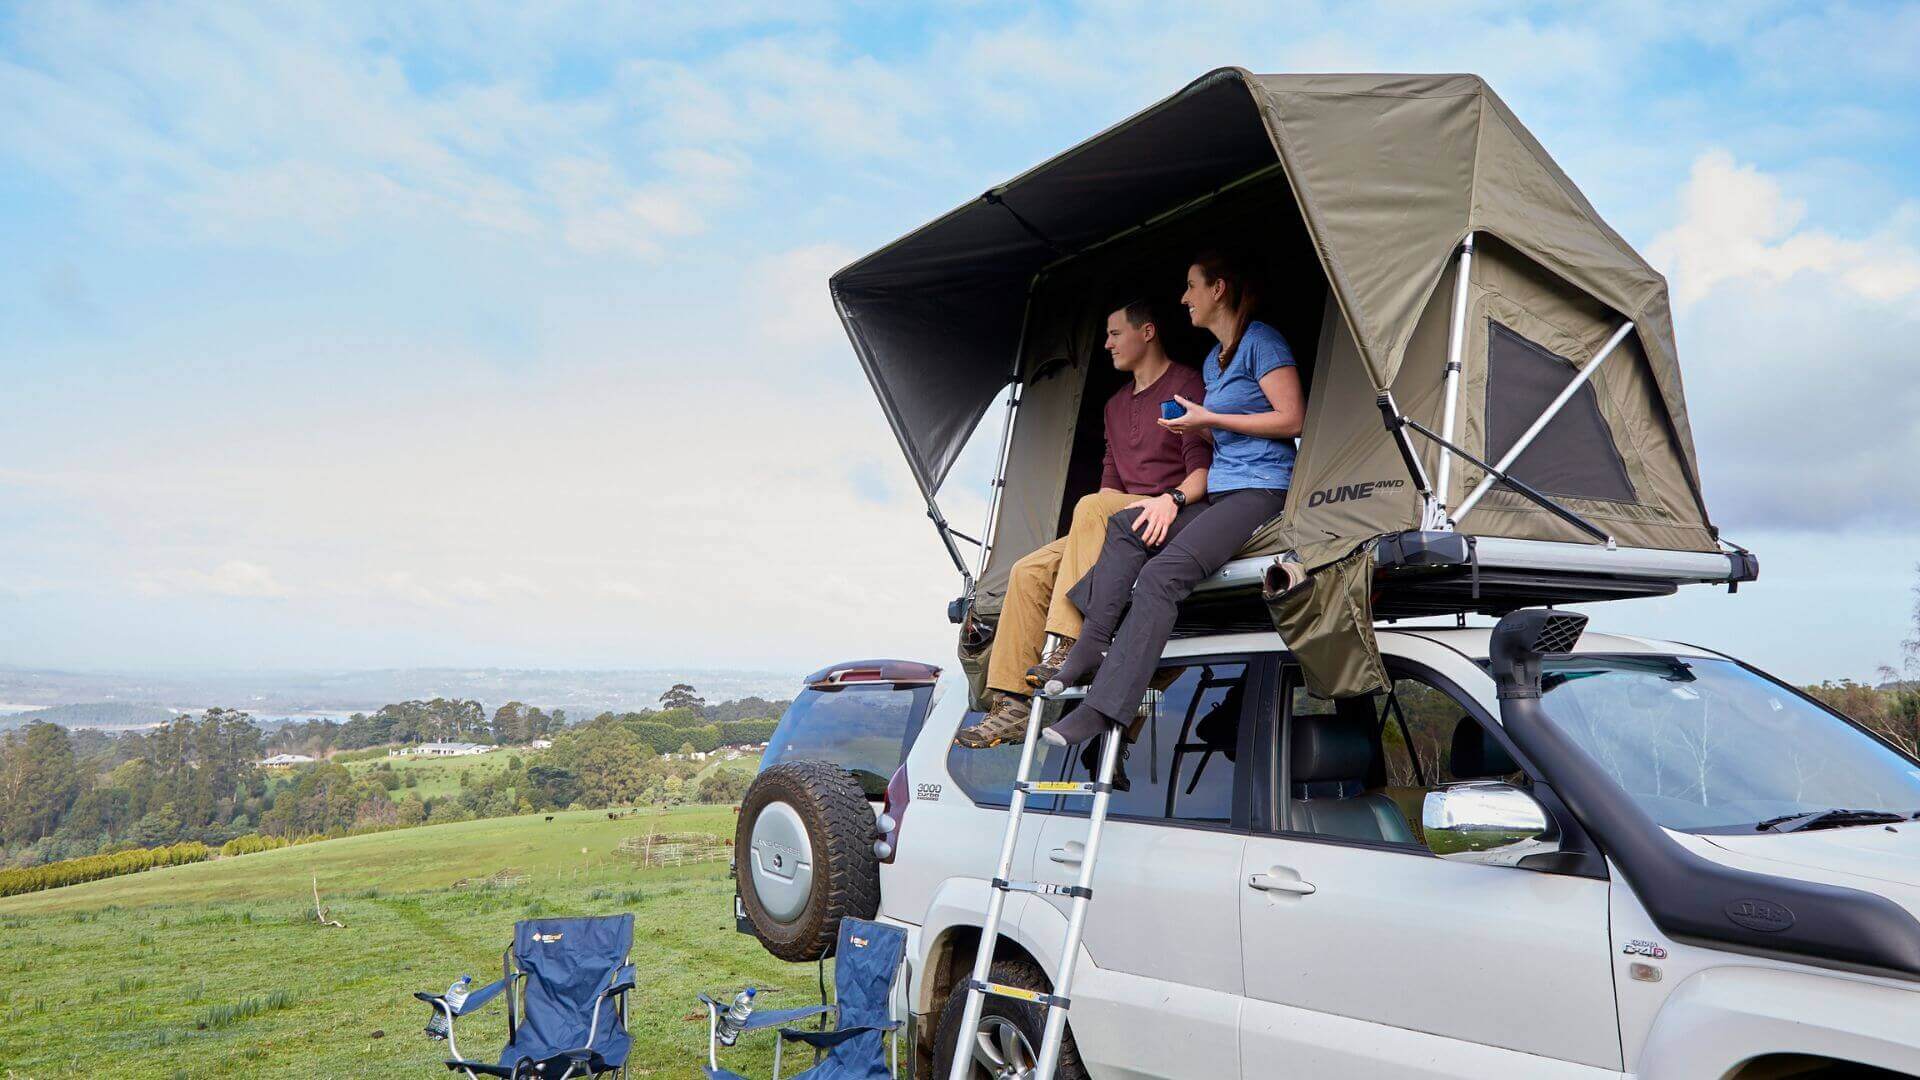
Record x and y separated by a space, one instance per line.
1247 461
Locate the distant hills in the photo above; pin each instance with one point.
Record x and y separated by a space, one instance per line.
118 699
100 714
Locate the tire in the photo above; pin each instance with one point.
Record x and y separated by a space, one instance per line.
805 844
1008 1017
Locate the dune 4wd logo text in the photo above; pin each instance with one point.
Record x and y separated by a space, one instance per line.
1352 492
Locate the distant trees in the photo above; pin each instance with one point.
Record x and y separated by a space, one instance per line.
611 761
74 794
516 723
725 785
38 782
682 696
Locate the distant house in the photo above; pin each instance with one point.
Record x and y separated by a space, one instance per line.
281 761
450 749
540 744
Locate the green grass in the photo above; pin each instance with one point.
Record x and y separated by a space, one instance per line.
441 776
218 969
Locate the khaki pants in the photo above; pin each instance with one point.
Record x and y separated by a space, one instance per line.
1037 603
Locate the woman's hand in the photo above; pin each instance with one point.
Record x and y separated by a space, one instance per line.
1195 420
1156 517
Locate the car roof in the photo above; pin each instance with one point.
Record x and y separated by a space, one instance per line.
1470 641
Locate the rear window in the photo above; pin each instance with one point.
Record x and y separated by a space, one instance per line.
865 728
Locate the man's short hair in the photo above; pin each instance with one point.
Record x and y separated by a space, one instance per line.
1139 313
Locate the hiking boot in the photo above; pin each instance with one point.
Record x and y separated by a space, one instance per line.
1007 723
1048 668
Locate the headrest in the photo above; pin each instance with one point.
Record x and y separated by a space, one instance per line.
1331 747
1475 753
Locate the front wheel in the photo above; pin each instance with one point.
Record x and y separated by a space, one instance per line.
1007 1046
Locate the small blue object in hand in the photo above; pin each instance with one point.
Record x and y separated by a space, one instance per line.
1172 410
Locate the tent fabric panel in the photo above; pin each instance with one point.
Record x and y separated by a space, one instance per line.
1524 198
1043 435
1383 244
1574 454
1513 291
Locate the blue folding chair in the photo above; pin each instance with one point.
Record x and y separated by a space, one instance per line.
867 961
570 1018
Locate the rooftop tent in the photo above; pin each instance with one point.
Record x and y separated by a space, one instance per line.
1403 221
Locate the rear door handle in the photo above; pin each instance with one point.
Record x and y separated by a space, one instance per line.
1276 883
1070 854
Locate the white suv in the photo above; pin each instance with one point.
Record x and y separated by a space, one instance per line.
1405 892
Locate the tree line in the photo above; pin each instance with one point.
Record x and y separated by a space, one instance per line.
67 795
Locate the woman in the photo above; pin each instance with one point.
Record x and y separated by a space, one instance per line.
1156 554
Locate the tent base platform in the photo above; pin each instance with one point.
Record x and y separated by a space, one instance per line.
1422 573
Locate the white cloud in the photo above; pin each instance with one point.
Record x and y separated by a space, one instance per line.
1796 344
1736 224
791 289
503 587
238 579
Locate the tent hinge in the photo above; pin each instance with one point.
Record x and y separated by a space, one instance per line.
1431 513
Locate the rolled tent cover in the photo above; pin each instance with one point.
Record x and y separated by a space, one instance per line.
1389 174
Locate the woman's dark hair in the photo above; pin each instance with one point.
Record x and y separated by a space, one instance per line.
1241 296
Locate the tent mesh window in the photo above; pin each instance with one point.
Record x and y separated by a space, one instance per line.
1575 455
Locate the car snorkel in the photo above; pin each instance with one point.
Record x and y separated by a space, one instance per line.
1689 897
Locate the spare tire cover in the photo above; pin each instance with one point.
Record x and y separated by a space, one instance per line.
805 844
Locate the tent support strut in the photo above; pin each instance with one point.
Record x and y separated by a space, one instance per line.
1396 425
1456 347
1533 494
1540 424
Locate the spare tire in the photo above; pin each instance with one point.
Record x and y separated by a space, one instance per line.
805 839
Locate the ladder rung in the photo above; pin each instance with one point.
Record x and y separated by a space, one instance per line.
1018 993
1042 888
1071 693
1061 787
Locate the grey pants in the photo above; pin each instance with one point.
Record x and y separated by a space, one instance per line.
1132 595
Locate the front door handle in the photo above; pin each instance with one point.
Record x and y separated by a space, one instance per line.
1069 855
1277 883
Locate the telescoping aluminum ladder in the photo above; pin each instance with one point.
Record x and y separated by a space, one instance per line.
1081 893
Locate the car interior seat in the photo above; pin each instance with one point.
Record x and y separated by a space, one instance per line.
1332 755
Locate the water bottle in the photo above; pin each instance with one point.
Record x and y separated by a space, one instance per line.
734 1020
456 997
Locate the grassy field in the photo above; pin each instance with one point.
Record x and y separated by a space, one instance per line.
440 776
218 969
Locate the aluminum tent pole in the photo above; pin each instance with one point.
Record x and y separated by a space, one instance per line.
1544 419
1456 347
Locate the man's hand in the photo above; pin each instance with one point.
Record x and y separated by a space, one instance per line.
1156 517
1195 420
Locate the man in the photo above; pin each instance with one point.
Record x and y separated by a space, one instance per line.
1146 466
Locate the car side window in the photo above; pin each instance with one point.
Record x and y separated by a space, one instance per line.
1183 757
1360 768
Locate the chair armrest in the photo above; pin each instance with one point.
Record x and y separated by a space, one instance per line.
474 1000
761 1019
620 981
825 1040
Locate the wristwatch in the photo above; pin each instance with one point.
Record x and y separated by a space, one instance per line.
1179 497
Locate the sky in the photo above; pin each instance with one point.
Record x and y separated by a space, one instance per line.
370 335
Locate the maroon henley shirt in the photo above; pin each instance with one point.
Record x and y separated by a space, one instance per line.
1144 458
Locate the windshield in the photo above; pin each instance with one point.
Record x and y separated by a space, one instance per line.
1709 746
865 728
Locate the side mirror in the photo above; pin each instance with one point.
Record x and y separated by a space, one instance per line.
1486 822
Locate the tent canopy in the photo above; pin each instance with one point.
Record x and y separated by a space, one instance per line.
1390 173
